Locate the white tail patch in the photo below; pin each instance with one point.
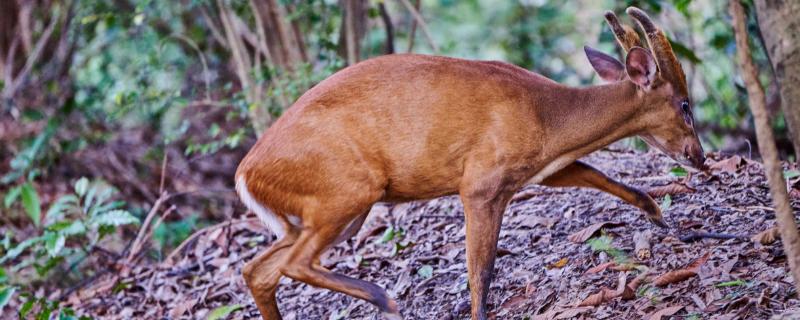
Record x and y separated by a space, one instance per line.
267 216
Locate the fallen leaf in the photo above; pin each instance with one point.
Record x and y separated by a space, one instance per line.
600 268
586 233
623 290
695 265
571 313
672 188
558 264
182 307
679 275
674 276
634 285
514 302
605 294
624 267
729 165
531 221
593 300
665 312
767 236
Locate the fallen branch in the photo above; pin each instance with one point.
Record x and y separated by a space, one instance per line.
697 236
641 243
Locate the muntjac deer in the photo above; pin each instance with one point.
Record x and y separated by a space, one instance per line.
407 127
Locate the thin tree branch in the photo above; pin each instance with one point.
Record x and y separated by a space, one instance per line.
413 31
389 26
11 87
766 144
422 24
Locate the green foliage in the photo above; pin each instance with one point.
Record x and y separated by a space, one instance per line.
734 283
170 234
6 291
84 218
223 312
23 162
394 236
605 244
678 171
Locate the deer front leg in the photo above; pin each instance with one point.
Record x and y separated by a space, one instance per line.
484 204
579 174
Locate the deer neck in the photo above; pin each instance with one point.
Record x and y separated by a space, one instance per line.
588 118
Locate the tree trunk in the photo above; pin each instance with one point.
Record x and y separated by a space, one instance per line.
284 44
8 33
779 21
354 28
766 144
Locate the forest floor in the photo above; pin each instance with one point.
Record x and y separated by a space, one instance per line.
543 270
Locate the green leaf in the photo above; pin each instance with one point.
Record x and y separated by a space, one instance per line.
54 242
67 314
425 271
30 201
3 277
789 174
12 196
5 295
56 210
388 235
733 283
107 206
223 312
683 6
113 218
69 228
16 251
681 50
88 200
81 186
678 172
26 308
666 203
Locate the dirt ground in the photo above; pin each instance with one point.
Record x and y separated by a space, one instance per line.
540 272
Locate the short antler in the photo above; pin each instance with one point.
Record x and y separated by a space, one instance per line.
625 35
659 45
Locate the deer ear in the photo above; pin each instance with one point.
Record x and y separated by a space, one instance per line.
608 67
641 67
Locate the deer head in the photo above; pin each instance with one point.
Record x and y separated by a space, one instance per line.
667 107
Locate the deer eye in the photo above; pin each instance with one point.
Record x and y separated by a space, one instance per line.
685 107
687 112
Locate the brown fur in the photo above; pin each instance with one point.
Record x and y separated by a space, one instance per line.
406 127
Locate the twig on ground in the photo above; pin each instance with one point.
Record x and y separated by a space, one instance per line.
696 236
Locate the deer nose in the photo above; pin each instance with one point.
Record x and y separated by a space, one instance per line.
695 156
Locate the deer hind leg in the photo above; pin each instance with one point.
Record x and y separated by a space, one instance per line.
301 265
263 273
579 174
